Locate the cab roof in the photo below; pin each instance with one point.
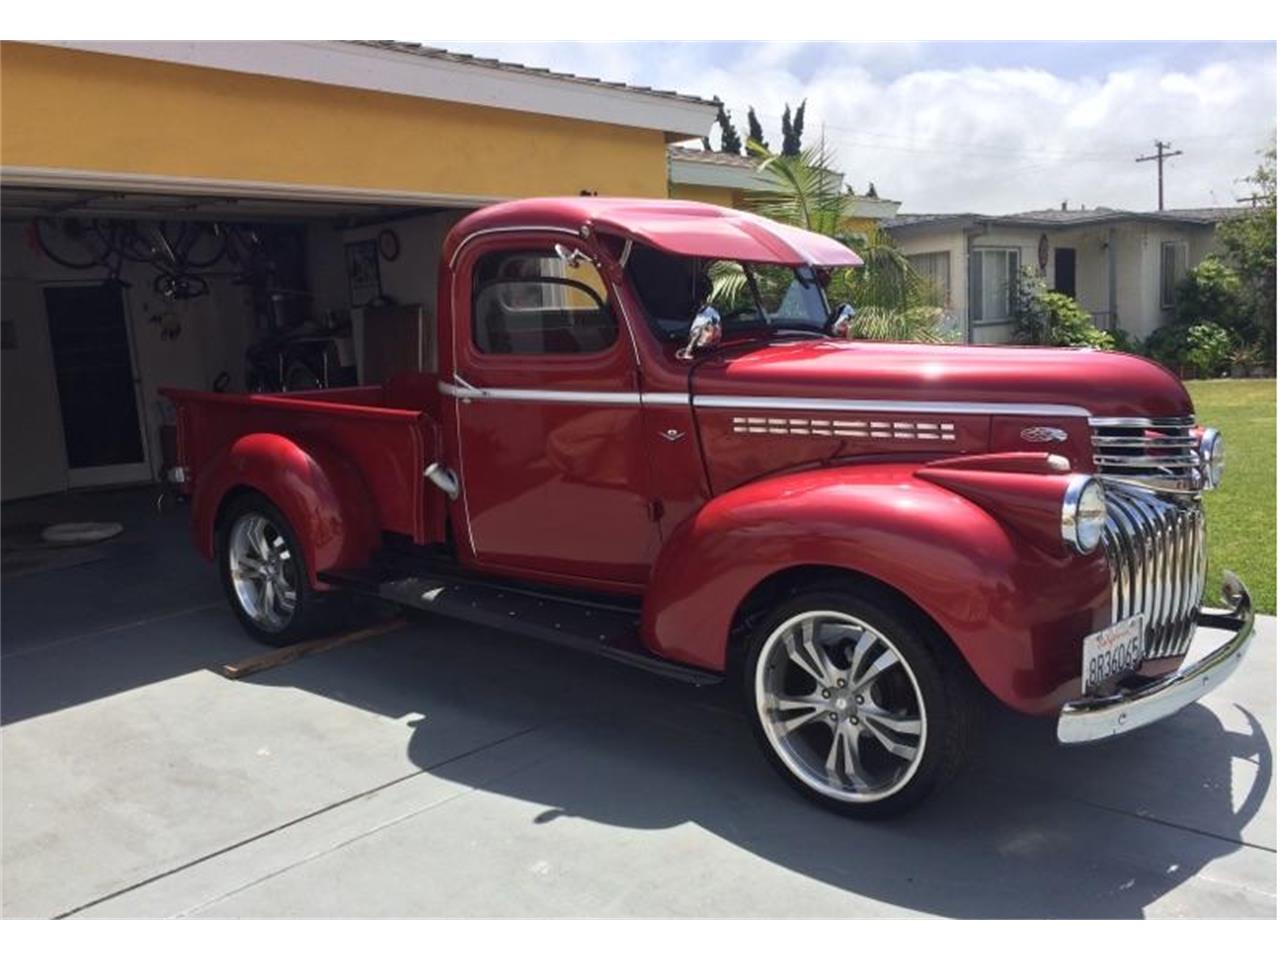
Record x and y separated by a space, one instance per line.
679 227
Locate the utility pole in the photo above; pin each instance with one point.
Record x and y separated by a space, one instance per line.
1159 157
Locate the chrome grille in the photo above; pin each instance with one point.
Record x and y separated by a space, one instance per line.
1162 453
1156 548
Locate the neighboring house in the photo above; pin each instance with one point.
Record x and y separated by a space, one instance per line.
357 156
725 179
1122 266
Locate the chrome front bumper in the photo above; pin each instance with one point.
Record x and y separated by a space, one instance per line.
1097 718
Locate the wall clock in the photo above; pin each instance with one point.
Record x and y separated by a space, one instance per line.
388 245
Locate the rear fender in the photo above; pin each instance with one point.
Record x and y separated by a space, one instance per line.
321 495
1016 612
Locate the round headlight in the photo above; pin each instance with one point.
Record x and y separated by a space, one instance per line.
1084 514
1213 457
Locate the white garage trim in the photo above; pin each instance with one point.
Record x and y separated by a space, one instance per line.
61 178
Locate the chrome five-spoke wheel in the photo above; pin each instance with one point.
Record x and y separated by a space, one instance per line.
840 706
263 570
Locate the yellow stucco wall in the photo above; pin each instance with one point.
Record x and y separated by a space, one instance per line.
720 196
86 111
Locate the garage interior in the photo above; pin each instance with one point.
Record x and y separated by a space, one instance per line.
109 295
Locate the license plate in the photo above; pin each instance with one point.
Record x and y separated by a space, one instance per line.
1111 653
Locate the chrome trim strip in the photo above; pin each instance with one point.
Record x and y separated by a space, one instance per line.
1166 423
490 230
610 397
1173 443
889 406
665 399
759 403
1172 460
1097 718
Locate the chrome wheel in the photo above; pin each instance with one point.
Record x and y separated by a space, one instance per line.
264 572
840 706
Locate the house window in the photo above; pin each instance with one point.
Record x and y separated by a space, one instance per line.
936 269
1173 265
993 273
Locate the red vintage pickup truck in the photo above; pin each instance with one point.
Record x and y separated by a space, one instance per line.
862 536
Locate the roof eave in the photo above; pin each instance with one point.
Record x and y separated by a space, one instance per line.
365 67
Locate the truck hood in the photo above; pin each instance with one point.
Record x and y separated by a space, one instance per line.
1104 384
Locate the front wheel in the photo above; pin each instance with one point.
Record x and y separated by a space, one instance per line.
857 701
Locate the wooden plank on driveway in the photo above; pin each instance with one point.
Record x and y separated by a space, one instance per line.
278 658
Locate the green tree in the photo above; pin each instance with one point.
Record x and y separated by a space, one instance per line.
1249 242
797 129
792 130
754 131
892 301
730 142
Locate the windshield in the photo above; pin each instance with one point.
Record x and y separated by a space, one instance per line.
750 297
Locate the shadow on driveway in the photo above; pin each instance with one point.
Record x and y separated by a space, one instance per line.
1033 829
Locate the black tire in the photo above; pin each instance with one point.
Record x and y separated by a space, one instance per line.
948 717
311 613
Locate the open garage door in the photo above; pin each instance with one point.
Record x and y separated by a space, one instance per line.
110 294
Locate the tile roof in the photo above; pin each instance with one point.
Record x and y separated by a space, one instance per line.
714 157
1057 217
437 53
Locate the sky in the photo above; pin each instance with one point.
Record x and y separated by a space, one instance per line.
979 127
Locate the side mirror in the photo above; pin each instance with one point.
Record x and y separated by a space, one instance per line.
704 333
841 321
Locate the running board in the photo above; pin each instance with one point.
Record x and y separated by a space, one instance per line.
606 627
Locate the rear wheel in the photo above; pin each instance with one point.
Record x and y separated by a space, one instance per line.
857 701
264 574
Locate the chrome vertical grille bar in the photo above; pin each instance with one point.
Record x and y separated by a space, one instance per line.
1155 547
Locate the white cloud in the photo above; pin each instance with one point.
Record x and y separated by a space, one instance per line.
992 139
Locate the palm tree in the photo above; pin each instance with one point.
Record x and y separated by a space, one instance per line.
892 301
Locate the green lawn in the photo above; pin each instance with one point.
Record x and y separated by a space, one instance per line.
1242 512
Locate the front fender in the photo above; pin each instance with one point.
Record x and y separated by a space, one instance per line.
1016 612
321 495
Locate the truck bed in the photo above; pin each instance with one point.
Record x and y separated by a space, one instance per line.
389 432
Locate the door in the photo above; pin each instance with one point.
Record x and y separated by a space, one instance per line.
1064 270
549 423
97 387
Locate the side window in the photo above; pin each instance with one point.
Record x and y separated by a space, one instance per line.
1173 267
534 302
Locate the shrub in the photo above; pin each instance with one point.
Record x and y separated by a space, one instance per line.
1246 358
1126 342
1208 351
1168 346
1052 319
1212 293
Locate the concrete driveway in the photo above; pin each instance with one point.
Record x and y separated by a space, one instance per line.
447 770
